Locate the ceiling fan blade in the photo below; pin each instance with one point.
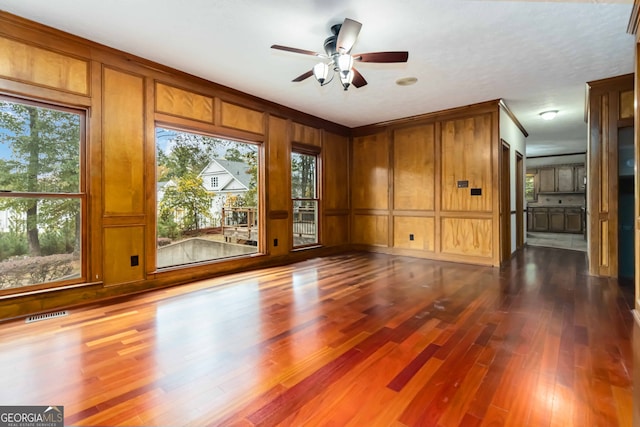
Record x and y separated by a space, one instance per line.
304 76
358 80
296 50
348 35
382 57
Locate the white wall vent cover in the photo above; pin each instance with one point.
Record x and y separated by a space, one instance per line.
46 316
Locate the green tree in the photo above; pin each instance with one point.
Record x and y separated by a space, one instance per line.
190 153
250 197
233 154
167 226
45 157
187 201
303 175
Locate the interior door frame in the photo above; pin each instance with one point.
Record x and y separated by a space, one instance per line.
520 225
505 201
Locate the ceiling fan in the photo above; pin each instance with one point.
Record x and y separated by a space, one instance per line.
338 57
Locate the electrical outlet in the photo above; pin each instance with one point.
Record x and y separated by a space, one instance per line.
410 236
134 260
275 242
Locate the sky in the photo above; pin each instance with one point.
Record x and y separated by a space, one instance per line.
5 151
165 136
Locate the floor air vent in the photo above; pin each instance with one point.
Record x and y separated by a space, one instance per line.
45 316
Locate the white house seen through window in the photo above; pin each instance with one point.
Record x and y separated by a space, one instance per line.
196 220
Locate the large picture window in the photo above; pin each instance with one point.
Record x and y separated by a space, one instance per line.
304 195
207 198
41 194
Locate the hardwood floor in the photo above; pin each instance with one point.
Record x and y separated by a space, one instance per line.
360 339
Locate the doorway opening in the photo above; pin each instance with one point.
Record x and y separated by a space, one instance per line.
626 194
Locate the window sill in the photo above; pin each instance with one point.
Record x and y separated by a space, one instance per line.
304 248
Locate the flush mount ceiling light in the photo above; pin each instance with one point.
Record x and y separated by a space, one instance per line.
338 57
549 115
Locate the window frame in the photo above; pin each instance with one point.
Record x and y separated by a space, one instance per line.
308 150
81 195
534 177
260 177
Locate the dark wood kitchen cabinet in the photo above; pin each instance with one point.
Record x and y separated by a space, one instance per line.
558 179
556 220
547 180
565 179
573 220
540 219
580 174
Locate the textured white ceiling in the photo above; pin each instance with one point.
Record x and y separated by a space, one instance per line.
535 55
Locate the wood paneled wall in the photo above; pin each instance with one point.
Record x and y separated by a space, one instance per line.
30 64
335 189
406 197
610 108
279 175
466 156
414 154
390 188
182 103
125 97
123 177
370 172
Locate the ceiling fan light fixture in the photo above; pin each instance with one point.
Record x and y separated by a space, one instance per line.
549 115
320 72
344 63
338 59
346 79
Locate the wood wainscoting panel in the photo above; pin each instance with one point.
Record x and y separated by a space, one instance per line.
422 229
305 134
183 103
237 117
30 64
335 230
371 230
279 166
335 168
467 156
370 172
414 168
467 236
120 244
604 246
604 151
123 142
279 230
626 104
